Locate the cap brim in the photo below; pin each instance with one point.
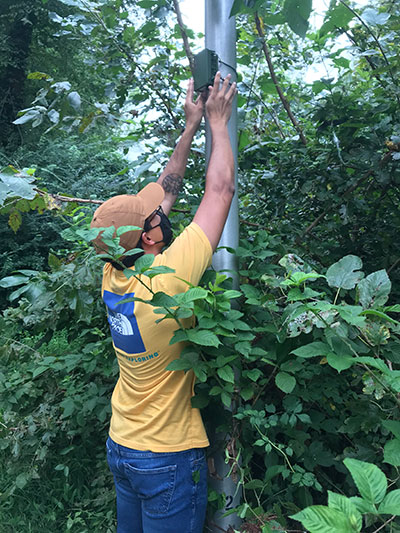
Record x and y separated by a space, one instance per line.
152 196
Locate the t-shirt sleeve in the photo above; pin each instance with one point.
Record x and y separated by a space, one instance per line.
189 255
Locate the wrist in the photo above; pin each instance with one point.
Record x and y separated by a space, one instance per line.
218 125
191 128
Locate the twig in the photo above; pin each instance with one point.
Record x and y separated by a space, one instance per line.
385 524
377 42
185 39
61 198
394 265
282 97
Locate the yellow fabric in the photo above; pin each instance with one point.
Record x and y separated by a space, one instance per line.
151 407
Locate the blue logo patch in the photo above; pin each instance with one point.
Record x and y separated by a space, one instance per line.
123 324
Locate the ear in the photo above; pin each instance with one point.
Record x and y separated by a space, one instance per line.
146 239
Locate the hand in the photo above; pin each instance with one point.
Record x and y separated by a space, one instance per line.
194 110
219 101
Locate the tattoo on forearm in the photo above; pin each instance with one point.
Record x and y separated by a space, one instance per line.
172 183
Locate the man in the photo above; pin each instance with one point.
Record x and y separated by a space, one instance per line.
156 445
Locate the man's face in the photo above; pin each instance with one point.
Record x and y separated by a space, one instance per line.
159 226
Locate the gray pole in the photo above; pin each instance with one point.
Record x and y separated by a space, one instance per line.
220 36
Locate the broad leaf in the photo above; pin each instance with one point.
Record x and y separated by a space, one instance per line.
160 299
363 506
321 519
345 274
369 479
12 281
226 373
344 504
297 13
143 263
391 452
374 289
393 426
285 382
312 350
340 362
203 337
339 17
18 186
391 503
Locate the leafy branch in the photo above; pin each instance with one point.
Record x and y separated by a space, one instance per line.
274 78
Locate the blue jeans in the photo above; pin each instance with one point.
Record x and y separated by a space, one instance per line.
159 492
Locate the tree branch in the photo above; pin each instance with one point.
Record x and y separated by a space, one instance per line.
60 198
185 39
282 97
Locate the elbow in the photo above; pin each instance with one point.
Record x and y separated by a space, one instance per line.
225 190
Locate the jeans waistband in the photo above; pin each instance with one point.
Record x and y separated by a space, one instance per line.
123 451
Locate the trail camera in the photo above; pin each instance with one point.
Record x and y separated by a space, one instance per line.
205 68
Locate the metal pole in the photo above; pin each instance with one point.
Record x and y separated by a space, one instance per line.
220 36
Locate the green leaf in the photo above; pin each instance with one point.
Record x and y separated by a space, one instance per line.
339 17
144 263
231 294
362 505
226 373
160 299
226 399
391 503
340 362
21 480
345 274
253 374
13 281
391 452
374 289
297 13
321 519
179 364
312 350
285 382
194 293
344 504
375 363
203 337
375 312
254 484
69 406
237 7
124 229
18 186
393 426
369 479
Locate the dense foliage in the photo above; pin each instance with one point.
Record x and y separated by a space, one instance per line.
300 364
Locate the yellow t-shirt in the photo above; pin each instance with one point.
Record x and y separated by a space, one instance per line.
151 408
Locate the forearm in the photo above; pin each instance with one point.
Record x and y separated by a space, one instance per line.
172 176
220 177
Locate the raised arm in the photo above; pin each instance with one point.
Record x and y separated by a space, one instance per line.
220 178
172 176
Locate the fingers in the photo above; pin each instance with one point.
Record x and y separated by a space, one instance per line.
228 89
190 90
232 91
